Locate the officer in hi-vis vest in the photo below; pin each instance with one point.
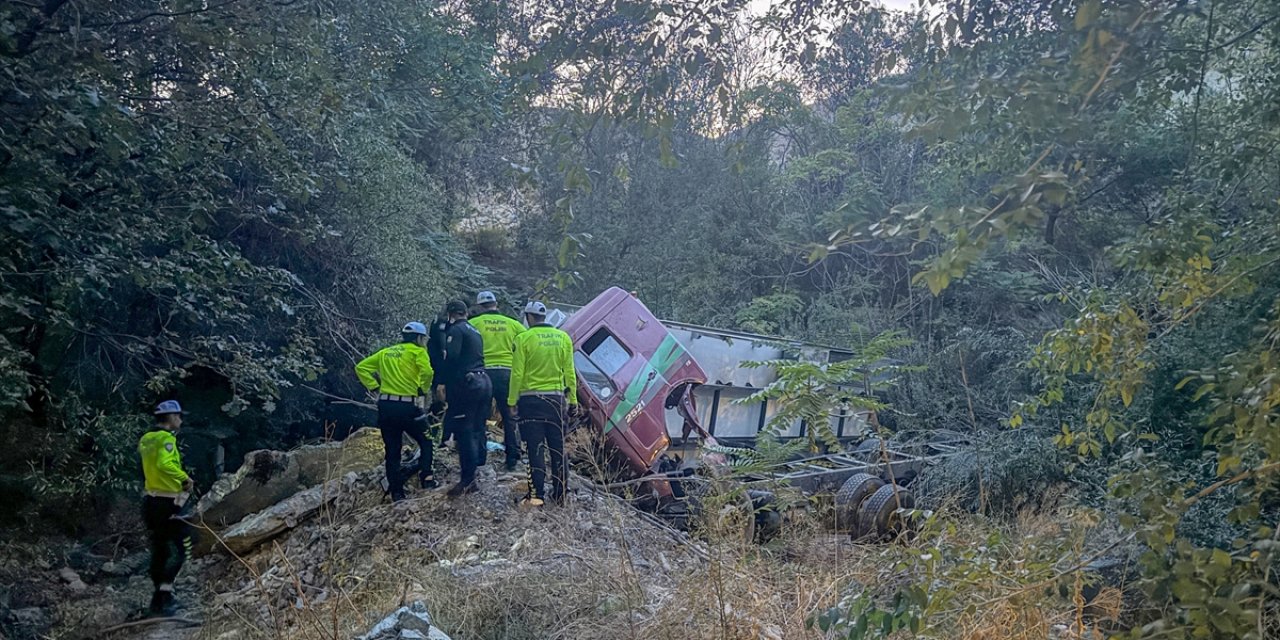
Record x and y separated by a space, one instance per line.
499 334
544 386
167 489
398 376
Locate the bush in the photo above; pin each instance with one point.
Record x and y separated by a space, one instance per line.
1002 474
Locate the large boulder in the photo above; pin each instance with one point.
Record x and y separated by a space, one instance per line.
265 478
260 527
268 477
321 463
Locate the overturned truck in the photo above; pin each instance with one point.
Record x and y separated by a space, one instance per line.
639 385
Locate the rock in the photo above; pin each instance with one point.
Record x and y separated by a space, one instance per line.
268 477
78 586
320 463
662 559
406 623
68 575
30 622
265 478
609 604
464 546
260 527
125 567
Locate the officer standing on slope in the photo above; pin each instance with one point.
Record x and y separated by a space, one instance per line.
167 489
398 376
468 394
499 333
543 382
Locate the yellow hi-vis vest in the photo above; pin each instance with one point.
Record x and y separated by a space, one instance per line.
399 370
499 334
543 361
161 463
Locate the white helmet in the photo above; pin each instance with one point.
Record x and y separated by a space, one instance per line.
535 308
485 297
415 327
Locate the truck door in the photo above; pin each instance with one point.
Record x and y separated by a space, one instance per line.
634 384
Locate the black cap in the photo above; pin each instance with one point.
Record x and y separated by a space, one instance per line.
456 306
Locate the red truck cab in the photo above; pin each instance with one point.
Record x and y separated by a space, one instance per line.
631 369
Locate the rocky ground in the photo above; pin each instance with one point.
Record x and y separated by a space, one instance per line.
332 559
306 545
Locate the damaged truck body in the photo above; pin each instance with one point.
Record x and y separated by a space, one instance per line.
641 387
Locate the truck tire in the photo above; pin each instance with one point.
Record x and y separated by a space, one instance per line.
868 450
739 514
851 496
768 520
878 519
735 517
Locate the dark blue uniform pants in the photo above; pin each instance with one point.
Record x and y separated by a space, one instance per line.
501 379
395 420
170 539
542 419
469 405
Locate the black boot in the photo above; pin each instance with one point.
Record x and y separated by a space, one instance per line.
170 606
163 604
428 482
156 608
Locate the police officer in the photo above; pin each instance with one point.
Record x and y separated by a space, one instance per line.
544 386
398 376
499 333
167 488
468 394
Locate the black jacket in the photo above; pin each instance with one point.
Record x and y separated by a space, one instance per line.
463 352
435 347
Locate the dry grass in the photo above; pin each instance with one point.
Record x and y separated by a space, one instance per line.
625 579
599 570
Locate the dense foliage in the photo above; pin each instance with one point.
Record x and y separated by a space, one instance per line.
1068 206
218 202
1086 188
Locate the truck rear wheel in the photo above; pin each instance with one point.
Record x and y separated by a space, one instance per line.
851 496
879 517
